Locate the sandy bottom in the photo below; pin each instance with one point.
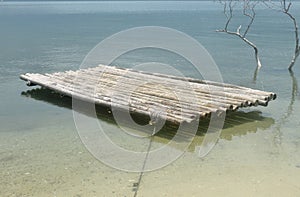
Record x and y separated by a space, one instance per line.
52 161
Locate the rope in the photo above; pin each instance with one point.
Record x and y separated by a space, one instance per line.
144 164
154 118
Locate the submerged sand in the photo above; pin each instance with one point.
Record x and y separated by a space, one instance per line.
249 160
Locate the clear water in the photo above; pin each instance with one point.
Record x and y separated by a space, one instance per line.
41 153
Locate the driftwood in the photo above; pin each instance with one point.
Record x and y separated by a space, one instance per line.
182 99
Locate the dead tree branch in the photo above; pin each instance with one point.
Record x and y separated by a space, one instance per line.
285 7
286 10
248 11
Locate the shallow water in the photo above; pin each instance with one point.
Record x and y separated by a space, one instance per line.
42 155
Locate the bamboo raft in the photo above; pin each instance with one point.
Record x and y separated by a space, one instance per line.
184 99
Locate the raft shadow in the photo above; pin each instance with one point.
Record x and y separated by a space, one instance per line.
237 123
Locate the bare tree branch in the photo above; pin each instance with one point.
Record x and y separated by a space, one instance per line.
248 11
285 8
247 7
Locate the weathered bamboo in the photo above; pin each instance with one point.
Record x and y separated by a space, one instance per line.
150 92
233 103
145 97
182 99
122 105
143 91
123 101
271 95
200 87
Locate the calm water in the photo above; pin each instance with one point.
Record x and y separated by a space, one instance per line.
41 153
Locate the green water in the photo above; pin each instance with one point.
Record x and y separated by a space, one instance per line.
42 155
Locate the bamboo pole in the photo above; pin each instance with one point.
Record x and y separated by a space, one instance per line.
183 99
234 103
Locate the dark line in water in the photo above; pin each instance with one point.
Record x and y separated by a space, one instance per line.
144 164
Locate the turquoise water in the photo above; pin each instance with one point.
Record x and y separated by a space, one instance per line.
41 153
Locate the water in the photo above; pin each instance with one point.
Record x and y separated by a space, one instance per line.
41 153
